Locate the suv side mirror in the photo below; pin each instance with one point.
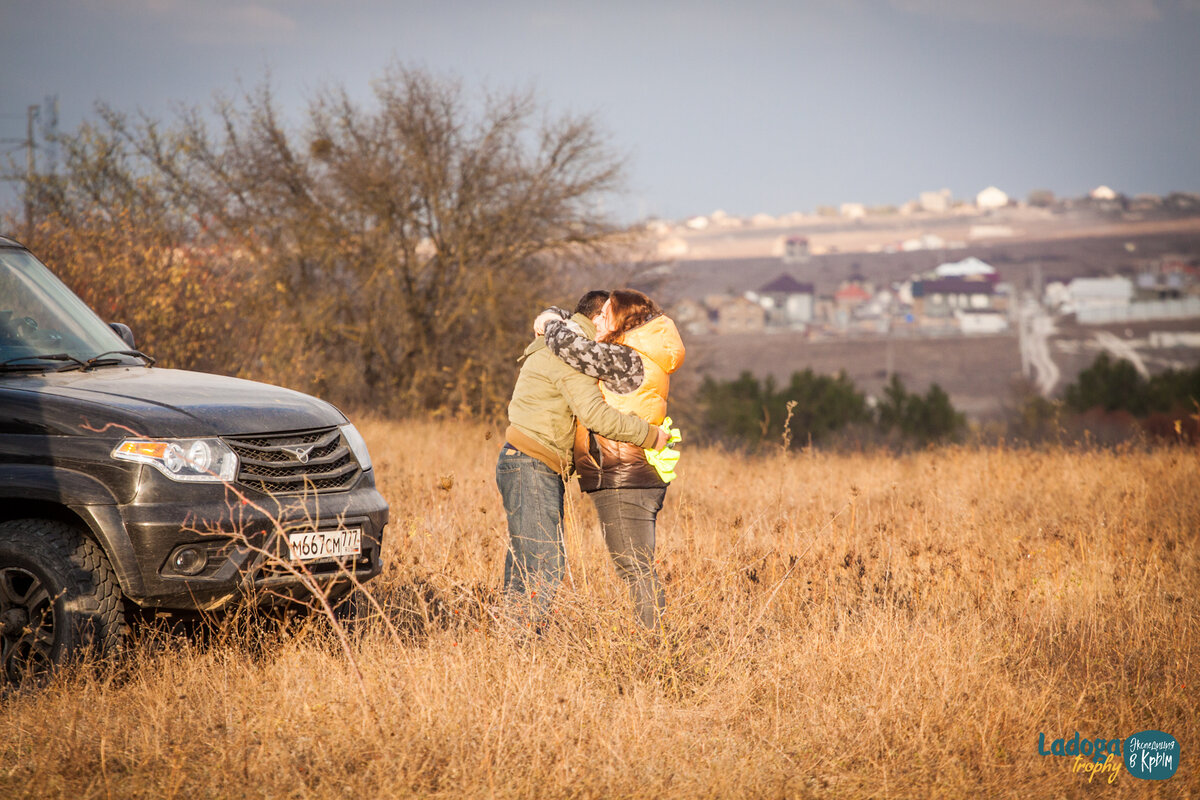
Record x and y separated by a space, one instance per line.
124 332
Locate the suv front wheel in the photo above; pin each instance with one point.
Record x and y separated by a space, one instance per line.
59 599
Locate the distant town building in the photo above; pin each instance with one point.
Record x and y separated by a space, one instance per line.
739 315
878 307
981 321
926 241
720 219
714 301
672 247
990 199
1092 293
990 231
795 250
970 268
931 241
854 210
691 317
850 296
935 202
787 301
1055 294
1103 193
941 297
1144 202
1160 285
1182 202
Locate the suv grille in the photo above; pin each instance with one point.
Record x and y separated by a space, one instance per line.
272 463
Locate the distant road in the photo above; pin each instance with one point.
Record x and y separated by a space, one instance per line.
1122 349
1035 329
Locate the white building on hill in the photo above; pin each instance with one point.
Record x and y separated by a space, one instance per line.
1092 293
970 267
991 198
934 202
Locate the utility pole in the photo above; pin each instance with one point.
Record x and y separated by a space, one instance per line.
30 169
49 126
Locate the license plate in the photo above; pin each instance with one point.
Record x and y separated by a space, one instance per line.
325 544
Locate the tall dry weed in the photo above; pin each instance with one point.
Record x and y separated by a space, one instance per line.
837 625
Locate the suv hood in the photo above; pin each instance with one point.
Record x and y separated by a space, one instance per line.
154 402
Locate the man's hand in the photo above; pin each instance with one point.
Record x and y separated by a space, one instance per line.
661 441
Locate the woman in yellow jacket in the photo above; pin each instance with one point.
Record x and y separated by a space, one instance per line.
637 349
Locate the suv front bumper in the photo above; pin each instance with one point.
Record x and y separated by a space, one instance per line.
242 535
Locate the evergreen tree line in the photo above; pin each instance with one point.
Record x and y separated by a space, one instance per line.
814 408
1108 401
1111 401
1116 385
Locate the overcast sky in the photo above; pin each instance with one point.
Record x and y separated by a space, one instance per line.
759 105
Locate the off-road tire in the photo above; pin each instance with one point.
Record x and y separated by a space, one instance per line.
59 599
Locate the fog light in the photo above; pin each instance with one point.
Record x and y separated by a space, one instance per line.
188 560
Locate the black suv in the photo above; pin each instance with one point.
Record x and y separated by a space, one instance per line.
126 486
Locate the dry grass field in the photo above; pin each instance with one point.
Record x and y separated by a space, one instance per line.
838 626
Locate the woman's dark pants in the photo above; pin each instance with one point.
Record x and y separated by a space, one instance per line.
628 518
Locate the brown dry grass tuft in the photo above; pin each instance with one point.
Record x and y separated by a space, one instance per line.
839 625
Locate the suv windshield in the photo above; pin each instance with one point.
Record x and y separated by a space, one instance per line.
43 325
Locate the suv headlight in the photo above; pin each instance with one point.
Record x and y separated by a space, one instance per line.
188 460
358 445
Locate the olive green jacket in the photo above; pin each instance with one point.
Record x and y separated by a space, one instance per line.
550 396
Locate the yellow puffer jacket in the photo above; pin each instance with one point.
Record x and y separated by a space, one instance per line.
605 464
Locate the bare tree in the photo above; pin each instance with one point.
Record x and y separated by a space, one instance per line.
398 249
107 225
409 241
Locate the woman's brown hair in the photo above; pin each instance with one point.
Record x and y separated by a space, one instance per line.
630 308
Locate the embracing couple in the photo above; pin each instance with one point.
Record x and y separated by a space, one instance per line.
591 399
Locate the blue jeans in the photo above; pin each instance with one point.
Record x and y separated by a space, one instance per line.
536 560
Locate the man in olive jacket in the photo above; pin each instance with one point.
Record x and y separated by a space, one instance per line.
536 461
